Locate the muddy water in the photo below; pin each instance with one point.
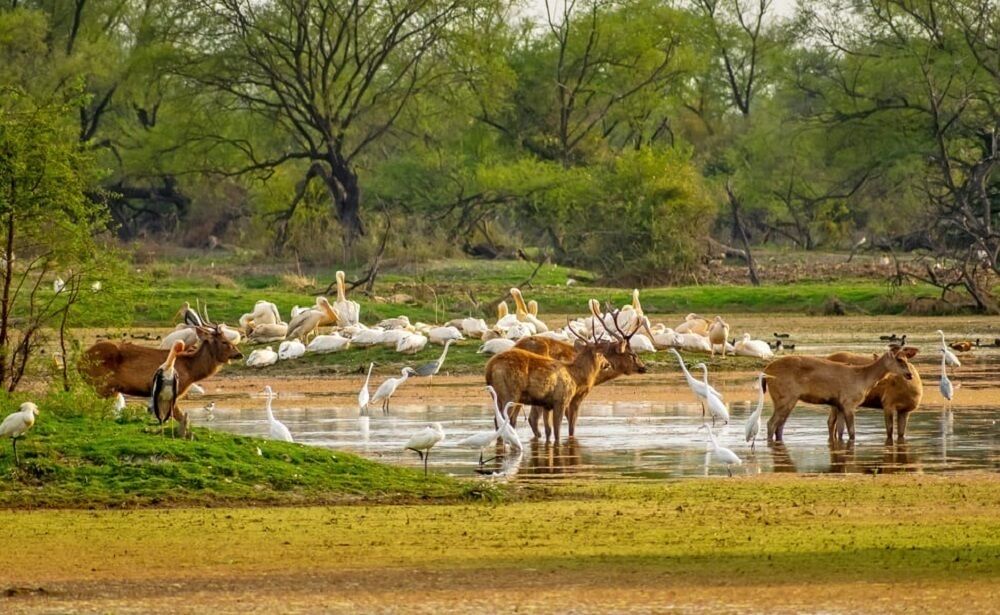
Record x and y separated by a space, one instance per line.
647 427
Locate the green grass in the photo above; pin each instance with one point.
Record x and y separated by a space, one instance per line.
78 455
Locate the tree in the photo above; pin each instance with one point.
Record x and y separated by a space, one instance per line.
329 77
47 226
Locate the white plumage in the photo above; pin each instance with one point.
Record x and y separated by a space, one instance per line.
440 335
348 312
17 424
411 344
949 356
721 454
945 386
753 348
716 407
387 389
496 346
641 344
424 440
753 421
58 285
368 337
262 357
697 387
291 349
363 395
507 431
328 343
474 327
119 404
276 428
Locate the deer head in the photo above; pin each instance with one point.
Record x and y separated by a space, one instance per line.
215 342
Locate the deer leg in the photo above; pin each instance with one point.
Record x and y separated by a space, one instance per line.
547 418
849 419
902 418
776 424
890 415
557 417
831 423
533 421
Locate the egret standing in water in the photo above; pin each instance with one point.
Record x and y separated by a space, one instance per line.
424 440
949 356
17 424
753 421
716 407
721 454
698 388
947 390
276 428
386 390
363 395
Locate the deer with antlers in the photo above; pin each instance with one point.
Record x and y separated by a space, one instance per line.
558 386
622 359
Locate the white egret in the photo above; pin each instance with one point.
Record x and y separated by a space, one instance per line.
949 356
502 418
697 387
482 440
17 424
753 421
716 407
424 440
721 454
947 390
388 388
363 395
276 428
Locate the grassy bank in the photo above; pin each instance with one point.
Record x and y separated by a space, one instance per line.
890 543
454 288
78 455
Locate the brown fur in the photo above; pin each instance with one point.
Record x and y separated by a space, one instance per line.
893 394
113 367
816 380
622 359
528 378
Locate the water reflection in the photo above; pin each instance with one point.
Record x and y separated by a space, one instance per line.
642 440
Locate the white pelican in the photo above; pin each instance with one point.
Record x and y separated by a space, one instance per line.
474 327
276 428
716 407
296 310
183 333
232 335
718 334
347 312
411 344
949 356
639 344
721 454
17 424
519 330
163 398
368 337
424 440
440 335
263 313
431 369
267 332
386 390
496 346
262 357
693 323
323 344
399 322
753 421
291 349
305 324
391 337
524 313
363 395
753 348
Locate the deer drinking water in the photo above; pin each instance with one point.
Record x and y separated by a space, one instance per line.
820 381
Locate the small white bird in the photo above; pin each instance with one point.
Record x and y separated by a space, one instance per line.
424 440
363 395
947 390
17 424
262 357
58 285
96 286
716 407
119 404
949 356
276 428
496 346
210 410
324 344
291 349
753 421
195 389
721 454
386 390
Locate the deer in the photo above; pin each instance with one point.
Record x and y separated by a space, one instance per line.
622 359
816 380
113 367
896 395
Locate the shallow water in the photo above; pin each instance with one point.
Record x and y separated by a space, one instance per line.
642 440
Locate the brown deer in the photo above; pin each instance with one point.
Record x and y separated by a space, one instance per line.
896 395
113 367
621 358
815 380
528 378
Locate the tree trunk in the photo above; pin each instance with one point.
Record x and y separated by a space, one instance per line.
5 307
346 193
740 231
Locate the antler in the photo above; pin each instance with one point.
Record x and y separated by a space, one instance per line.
569 326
